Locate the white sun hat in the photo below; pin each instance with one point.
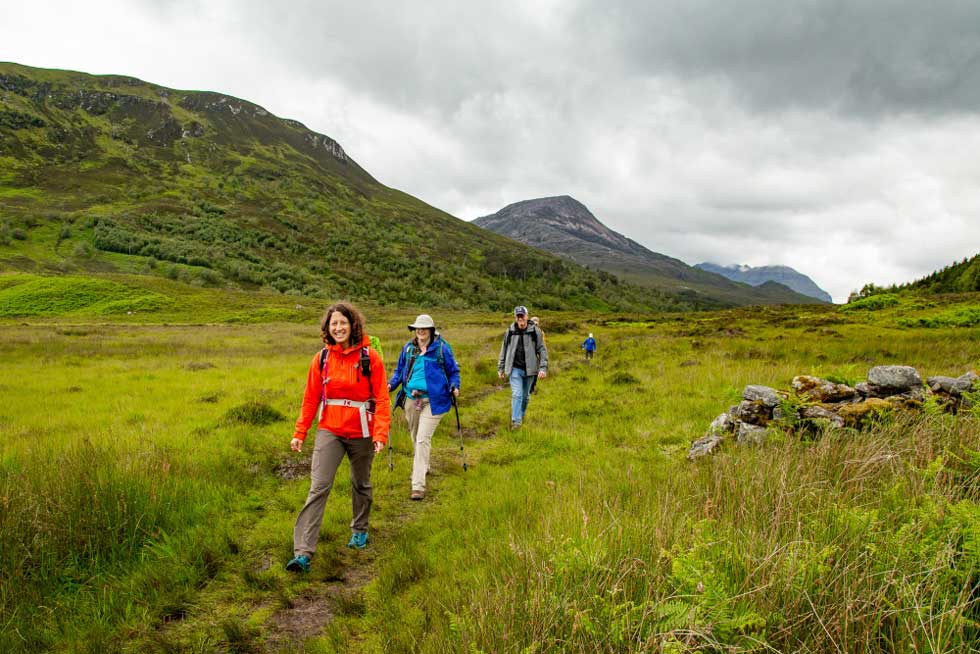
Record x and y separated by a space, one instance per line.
424 321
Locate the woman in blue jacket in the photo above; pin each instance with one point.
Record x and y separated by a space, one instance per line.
429 378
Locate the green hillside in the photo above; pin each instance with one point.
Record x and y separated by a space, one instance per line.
962 277
109 174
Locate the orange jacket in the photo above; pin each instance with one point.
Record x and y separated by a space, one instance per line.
344 381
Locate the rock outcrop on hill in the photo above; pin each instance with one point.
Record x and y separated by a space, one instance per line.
814 404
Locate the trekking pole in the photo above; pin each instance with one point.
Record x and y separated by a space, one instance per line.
459 430
391 464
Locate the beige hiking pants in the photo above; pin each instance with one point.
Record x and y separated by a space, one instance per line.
328 452
422 424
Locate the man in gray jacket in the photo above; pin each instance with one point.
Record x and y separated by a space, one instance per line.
523 356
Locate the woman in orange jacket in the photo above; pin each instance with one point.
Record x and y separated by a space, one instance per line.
347 379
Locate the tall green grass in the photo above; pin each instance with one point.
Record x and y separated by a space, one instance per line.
840 545
144 507
587 532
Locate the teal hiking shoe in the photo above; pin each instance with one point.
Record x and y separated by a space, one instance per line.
299 563
358 539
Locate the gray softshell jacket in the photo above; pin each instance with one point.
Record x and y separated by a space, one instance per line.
535 356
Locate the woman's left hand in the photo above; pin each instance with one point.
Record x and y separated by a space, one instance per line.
455 392
378 446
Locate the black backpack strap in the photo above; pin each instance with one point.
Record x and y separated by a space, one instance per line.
413 356
366 371
511 332
365 362
323 360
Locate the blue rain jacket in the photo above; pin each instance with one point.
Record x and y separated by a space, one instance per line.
439 380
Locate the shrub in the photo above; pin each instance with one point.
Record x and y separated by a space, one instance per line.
872 303
83 250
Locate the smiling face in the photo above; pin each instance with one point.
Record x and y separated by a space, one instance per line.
423 334
339 328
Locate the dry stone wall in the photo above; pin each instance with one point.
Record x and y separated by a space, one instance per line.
817 404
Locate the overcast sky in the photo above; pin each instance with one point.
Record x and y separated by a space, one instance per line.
839 137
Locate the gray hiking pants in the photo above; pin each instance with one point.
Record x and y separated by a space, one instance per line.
328 452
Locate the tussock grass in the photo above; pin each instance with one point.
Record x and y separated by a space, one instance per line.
253 413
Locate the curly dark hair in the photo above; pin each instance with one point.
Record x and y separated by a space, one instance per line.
353 316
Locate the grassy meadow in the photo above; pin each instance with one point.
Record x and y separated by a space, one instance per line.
147 493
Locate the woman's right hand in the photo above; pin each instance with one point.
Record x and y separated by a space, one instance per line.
296 445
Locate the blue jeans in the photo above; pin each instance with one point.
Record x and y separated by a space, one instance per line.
520 393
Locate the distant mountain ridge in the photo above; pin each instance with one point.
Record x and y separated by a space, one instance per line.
564 226
758 275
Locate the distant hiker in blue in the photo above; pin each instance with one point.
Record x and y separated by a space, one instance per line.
429 378
589 346
523 357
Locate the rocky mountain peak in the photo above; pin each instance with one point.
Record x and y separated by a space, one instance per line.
537 221
564 226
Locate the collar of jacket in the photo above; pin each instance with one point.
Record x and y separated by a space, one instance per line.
350 348
432 343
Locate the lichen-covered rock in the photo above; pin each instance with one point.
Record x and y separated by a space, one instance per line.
954 386
896 379
704 446
818 414
857 414
758 393
753 412
910 399
746 433
723 424
888 389
821 390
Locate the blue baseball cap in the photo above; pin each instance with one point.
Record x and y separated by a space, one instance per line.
520 310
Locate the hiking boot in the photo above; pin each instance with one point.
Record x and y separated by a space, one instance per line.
417 495
358 539
299 563
515 425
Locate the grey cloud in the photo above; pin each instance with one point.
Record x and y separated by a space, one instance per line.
837 133
861 58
